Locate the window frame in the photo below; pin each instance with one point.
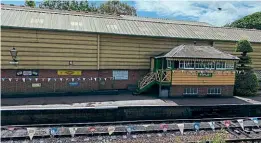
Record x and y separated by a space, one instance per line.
214 91
190 91
170 64
185 63
223 68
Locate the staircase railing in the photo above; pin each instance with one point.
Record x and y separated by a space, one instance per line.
158 76
147 79
163 76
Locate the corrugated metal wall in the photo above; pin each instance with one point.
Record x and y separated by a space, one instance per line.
53 50
49 50
230 47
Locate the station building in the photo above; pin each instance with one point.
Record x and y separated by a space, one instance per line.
65 51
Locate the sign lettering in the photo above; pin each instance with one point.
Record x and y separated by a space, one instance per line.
27 73
120 74
69 72
204 74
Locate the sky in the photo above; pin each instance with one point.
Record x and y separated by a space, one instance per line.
189 10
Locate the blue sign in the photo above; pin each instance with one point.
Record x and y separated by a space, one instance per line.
73 83
196 126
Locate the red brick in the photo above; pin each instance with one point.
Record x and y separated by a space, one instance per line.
58 86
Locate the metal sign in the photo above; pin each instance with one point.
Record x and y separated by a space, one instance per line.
69 72
120 74
27 72
73 83
204 74
36 85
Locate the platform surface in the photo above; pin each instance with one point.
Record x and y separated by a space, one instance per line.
121 100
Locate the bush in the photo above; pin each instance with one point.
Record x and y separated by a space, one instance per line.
246 84
244 46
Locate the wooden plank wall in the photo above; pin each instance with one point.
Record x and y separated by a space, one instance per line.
185 77
230 47
49 50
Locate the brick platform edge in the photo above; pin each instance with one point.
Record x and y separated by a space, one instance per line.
20 87
226 90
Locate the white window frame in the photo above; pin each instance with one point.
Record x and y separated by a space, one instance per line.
210 63
190 91
168 63
184 63
230 66
198 63
223 68
214 91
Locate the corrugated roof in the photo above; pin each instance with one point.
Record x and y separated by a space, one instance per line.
84 22
199 52
164 20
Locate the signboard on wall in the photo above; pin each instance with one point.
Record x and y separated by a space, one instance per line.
73 83
27 72
204 74
120 74
36 85
69 72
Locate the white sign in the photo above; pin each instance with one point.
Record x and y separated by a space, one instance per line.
36 84
120 74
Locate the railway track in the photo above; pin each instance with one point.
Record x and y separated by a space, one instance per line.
95 130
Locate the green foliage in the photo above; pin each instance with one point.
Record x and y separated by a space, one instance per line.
68 5
117 7
30 3
111 7
219 136
244 46
246 84
252 21
245 59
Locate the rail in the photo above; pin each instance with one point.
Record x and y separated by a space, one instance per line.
141 127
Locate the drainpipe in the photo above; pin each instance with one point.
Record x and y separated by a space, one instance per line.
98 51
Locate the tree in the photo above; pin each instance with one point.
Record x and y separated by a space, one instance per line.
246 83
30 3
117 7
68 5
252 21
112 6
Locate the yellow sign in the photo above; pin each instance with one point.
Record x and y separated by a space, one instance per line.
69 72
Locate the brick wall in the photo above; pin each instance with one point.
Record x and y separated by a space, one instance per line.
13 86
178 90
